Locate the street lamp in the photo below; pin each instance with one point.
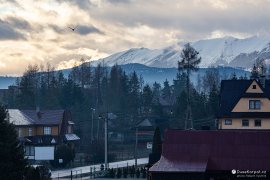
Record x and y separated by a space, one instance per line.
106 140
92 126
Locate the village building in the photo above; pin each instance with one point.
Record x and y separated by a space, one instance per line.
244 104
216 154
41 131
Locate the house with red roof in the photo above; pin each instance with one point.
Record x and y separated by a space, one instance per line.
218 154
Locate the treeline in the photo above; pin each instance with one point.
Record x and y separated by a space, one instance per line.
114 91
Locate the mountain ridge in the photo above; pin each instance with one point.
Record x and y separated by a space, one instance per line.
214 52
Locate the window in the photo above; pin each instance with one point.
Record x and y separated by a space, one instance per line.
245 122
257 123
254 87
30 132
20 132
29 150
254 104
228 122
69 129
47 130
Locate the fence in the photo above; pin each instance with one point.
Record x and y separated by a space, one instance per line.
96 171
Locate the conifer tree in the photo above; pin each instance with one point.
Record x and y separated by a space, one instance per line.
189 62
166 91
12 161
147 98
157 145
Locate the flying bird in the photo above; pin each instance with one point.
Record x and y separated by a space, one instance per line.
73 29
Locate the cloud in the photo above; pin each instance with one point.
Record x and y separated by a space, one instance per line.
18 23
83 4
120 1
8 33
109 26
84 30
194 18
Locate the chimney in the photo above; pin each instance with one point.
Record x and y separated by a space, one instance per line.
38 112
37 109
262 76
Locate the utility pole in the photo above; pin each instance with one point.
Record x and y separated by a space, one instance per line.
97 130
106 142
92 125
136 146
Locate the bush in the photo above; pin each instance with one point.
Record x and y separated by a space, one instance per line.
144 173
32 174
138 173
102 167
37 172
125 172
95 153
119 173
132 171
111 173
62 152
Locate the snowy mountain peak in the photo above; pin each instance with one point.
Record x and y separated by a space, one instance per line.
219 51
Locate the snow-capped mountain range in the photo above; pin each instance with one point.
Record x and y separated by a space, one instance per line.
226 51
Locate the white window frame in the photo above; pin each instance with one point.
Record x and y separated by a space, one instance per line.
20 132
254 104
47 130
29 150
69 129
30 131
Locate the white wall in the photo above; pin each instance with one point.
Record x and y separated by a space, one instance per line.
44 153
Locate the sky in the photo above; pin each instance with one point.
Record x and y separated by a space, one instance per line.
37 31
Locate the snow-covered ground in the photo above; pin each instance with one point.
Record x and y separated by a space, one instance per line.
87 169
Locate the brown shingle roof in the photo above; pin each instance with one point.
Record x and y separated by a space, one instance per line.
31 117
197 151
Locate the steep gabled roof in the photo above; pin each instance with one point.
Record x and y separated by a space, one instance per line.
200 151
31 117
232 91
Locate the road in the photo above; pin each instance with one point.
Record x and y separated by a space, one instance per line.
86 169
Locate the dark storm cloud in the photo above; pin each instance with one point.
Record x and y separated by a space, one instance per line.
84 30
8 33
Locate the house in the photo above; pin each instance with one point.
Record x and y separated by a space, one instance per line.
3 93
41 131
244 104
216 154
146 128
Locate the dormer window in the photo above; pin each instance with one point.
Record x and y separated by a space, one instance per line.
254 104
254 87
